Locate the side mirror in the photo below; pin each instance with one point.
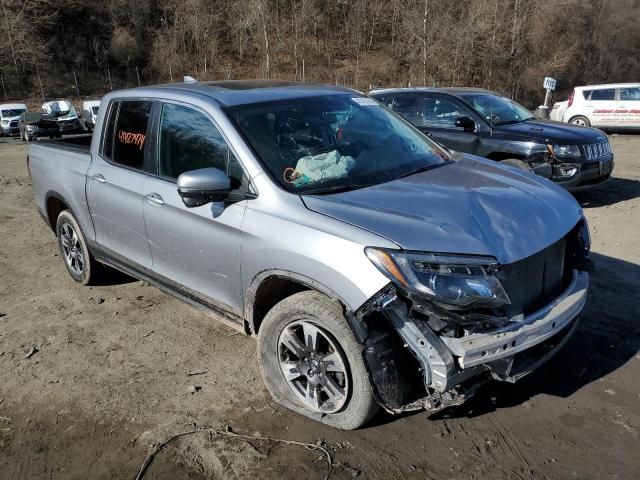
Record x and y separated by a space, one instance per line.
202 186
466 123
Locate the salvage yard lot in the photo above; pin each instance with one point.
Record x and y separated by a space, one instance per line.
90 378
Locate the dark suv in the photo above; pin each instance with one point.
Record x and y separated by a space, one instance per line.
483 123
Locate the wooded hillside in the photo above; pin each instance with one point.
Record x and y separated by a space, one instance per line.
504 45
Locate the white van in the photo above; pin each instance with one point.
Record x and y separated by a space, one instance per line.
9 115
615 105
90 113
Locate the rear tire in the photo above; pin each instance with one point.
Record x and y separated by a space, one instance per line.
73 247
580 120
515 162
327 381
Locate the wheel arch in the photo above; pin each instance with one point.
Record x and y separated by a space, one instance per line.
271 286
54 204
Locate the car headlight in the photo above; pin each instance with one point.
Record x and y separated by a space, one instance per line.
457 280
5 123
30 128
566 151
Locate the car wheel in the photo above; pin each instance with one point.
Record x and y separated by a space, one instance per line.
311 362
580 120
76 256
515 162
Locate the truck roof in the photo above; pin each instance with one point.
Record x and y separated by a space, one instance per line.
240 92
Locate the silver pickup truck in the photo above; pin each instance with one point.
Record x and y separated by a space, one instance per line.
373 266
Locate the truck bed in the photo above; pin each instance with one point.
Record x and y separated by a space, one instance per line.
58 170
79 143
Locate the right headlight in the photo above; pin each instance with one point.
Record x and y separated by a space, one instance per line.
457 280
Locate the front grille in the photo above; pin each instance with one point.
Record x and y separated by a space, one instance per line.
533 282
594 151
14 124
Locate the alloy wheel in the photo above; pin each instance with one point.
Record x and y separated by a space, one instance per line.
72 249
313 366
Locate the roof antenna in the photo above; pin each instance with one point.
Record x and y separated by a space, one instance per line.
189 79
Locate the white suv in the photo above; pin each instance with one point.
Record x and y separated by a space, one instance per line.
605 106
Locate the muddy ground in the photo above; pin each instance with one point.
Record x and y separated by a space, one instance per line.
110 377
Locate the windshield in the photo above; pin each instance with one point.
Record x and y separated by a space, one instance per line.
61 109
14 112
498 110
337 142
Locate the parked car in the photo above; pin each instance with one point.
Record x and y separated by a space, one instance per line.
557 111
9 115
372 268
614 106
90 113
35 124
483 123
65 114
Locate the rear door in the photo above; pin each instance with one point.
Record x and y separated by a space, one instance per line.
116 180
600 107
197 248
629 107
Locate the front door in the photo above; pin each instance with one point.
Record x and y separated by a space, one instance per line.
629 107
438 117
197 248
116 182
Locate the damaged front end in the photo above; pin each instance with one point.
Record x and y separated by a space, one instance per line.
449 323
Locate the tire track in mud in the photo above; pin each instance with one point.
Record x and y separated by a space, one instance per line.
506 458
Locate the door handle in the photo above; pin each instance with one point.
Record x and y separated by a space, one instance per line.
98 177
154 198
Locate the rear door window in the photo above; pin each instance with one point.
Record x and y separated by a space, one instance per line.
603 94
127 132
405 104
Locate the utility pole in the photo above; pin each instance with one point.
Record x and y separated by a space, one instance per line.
4 90
40 82
76 80
138 75
109 75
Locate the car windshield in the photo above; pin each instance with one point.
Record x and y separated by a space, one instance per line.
14 112
498 110
331 143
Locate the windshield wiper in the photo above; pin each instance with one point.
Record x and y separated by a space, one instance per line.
336 189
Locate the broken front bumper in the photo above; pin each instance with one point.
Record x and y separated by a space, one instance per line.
449 362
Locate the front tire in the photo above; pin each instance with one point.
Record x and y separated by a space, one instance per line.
73 247
580 120
311 362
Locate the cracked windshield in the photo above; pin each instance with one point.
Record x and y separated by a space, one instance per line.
333 143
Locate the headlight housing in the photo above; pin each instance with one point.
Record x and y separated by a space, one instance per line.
566 151
5 123
457 280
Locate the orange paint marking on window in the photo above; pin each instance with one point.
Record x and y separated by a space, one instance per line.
129 138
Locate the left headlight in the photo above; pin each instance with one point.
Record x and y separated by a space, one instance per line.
5 123
566 151
456 280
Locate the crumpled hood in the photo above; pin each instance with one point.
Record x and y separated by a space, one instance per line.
472 206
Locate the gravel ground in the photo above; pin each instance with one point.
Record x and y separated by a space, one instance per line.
108 377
